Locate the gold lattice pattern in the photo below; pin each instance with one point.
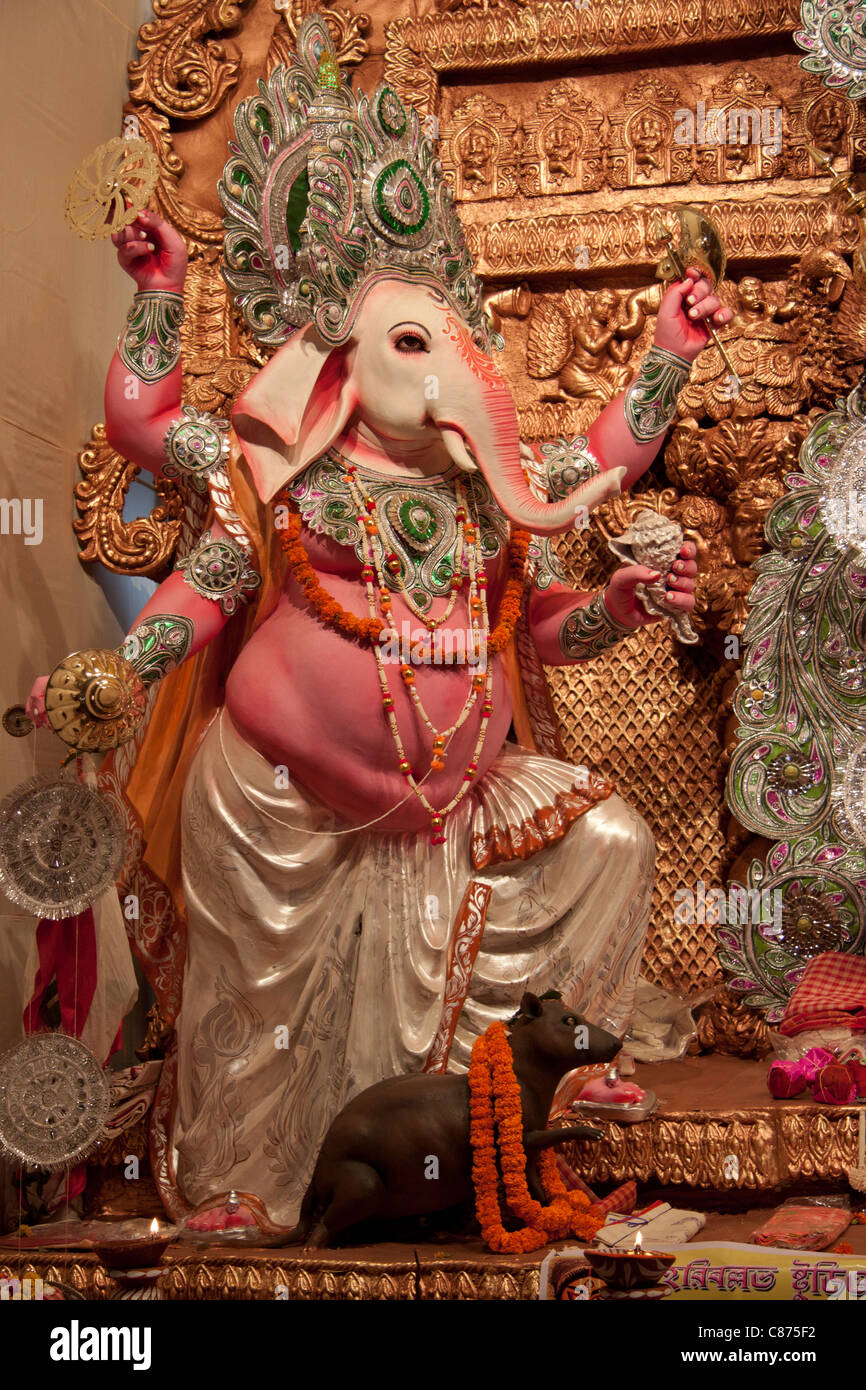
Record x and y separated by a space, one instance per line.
646 715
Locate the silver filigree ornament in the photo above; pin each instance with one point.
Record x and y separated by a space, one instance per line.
853 791
801 709
834 36
843 499
655 541
61 846
54 1101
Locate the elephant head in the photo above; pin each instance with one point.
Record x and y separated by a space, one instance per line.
410 374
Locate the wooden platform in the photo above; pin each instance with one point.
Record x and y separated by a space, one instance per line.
713 1110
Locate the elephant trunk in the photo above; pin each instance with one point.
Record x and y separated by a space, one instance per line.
488 436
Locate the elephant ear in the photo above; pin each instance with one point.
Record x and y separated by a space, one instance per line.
293 410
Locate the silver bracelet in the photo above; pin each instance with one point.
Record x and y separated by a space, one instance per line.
590 631
150 343
158 644
217 568
651 401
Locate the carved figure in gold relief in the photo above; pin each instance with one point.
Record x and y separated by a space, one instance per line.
642 145
829 124
591 347
560 145
647 136
791 347
755 311
475 152
475 149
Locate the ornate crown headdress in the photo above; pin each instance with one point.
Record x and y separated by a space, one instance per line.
324 192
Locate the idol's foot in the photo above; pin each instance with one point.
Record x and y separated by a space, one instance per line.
231 1211
218 1219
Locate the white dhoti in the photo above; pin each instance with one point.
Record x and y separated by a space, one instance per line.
317 960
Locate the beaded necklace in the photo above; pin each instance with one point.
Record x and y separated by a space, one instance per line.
377 630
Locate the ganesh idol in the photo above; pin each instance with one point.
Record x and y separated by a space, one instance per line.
356 871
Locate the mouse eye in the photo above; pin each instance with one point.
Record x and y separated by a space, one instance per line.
410 343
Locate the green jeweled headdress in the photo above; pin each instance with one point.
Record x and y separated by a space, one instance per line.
325 192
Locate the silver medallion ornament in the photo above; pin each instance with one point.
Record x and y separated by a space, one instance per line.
217 568
655 541
797 774
196 445
834 36
54 1101
327 189
569 462
61 846
853 791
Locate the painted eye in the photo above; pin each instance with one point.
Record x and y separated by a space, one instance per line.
410 342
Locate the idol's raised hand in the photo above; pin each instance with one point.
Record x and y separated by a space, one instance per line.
152 252
626 608
683 313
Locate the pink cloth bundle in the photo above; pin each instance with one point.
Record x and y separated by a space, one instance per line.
786 1079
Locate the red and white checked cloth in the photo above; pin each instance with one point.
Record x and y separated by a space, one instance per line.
831 994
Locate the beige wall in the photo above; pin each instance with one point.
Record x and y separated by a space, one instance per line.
63 304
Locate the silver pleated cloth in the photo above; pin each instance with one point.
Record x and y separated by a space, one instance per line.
317 959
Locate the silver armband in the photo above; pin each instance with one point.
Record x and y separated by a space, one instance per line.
150 343
651 401
569 462
196 444
590 631
218 568
544 563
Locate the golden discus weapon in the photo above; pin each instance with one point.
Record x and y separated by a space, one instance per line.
111 187
701 245
95 700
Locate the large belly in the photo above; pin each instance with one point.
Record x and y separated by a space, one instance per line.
309 699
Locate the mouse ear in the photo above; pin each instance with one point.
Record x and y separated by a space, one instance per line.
530 1005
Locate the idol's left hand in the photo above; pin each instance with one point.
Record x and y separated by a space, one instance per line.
686 308
627 609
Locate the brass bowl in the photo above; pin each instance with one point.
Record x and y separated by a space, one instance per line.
95 700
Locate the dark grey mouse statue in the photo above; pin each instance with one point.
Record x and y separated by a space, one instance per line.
402 1148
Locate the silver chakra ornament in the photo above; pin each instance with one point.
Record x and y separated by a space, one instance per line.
655 541
61 846
54 1101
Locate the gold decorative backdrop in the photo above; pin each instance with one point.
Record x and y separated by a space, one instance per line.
566 131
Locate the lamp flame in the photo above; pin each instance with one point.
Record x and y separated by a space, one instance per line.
154 1227
638 1242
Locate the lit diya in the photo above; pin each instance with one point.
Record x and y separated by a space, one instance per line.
629 1269
135 1244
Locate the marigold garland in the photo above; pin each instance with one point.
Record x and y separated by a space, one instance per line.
369 630
495 1098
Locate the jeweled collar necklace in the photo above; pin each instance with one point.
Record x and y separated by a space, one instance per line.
418 518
